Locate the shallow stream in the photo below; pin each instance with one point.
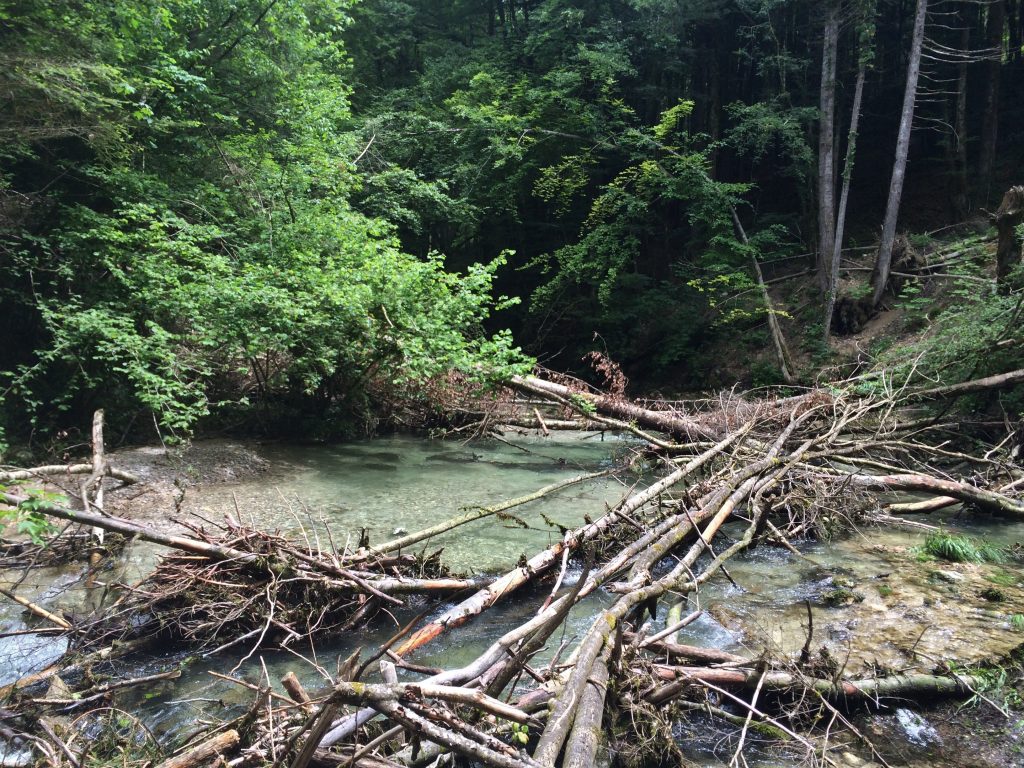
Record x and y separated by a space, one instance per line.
396 484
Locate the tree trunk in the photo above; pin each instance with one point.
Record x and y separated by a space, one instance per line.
204 752
880 277
994 25
1009 216
672 423
835 258
826 148
778 339
961 201
1000 381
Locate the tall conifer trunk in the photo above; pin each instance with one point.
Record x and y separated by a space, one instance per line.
826 147
961 196
883 264
994 25
836 256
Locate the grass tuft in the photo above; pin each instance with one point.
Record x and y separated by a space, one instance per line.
957 548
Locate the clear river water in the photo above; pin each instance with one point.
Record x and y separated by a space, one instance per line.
396 484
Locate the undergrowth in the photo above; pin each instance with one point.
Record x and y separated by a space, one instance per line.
958 548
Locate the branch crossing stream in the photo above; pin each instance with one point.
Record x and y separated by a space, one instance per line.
871 598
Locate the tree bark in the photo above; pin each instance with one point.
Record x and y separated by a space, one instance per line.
835 258
995 23
826 147
581 749
204 752
883 264
1008 217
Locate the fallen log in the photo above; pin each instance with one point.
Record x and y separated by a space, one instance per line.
991 501
689 652
36 609
581 749
511 581
671 423
204 752
925 506
546 620
999 381
480 747
640 591
51 470
128 528
871 689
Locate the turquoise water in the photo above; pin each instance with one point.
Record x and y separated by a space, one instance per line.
396 484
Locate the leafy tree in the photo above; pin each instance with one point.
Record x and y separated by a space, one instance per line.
193 243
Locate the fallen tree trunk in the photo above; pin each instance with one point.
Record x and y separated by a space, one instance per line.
477 746
36 609
203 753
544 560
581 750
51 470
896 686
671 423
128 528
990 501
999 381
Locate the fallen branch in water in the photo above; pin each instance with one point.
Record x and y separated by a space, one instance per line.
783 463
482 512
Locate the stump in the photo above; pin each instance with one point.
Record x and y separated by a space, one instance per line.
1008 217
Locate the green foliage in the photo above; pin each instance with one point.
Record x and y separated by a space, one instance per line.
958 548
1017 621
200 248
670 119
26 516
521 733
965 330
767 130
567 137
583 404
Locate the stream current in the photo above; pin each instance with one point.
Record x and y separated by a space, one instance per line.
395 484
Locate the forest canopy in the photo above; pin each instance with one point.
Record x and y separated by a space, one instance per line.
176 224
291 212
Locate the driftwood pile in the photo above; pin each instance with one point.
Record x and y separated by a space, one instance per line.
732 476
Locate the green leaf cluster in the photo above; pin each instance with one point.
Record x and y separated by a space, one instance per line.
177 227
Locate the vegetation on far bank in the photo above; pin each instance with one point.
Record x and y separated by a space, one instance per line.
296 216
